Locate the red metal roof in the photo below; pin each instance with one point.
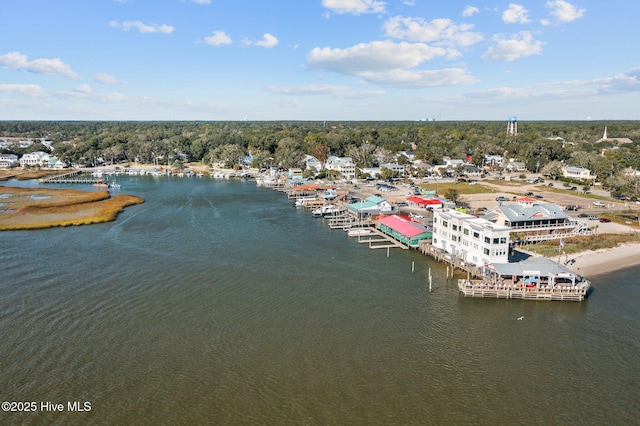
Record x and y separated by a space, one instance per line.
403 226
424 201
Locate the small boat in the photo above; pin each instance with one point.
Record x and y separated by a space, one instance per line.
101 183
114 185
326 211
354 232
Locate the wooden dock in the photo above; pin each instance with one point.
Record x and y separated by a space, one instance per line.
455 262
75 176
481 288
380 240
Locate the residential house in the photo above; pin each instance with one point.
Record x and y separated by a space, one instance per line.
344 165
35 159
516 166
8 160
578 173
494 161
474 240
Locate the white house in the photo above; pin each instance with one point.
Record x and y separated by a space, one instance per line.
577 173
516 166
38 158
8 160
470 238
394 167
312 163
344 165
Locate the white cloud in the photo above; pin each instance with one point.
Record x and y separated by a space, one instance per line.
218 38
311 89
565 11
268 41
515 14
83 88
143 28
390 64
409 2
402 78
355 7
374 56
518 46
103 78
440 31
18 61
470 11
202 1
29 90
335 91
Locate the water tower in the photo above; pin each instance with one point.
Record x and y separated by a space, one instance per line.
512 126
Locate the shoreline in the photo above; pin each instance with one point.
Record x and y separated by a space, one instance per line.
593 263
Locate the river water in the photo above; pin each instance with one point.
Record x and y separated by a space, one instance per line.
218 302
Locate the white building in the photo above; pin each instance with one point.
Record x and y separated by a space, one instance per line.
577 173
344 165
8 160
33 159
474 240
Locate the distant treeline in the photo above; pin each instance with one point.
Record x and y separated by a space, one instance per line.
284 143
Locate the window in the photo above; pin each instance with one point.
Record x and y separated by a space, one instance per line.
486 251
487 240
503 240
454 238
454 226
445 223
496 241
476 235
466 231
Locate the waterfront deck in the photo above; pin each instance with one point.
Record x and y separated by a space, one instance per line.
484 289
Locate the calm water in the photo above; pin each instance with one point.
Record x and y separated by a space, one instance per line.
218 302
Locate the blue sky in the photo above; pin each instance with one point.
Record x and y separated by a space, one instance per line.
319 60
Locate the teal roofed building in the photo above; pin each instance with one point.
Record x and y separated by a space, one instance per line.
371 206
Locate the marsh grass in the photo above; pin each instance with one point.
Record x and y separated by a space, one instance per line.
63 207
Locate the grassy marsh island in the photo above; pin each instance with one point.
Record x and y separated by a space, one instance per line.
37 208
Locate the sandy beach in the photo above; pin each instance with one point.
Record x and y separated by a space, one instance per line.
590 263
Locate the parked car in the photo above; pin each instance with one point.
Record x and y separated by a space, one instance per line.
550 184
572 208
591 217
528 194
583 215
501 198
599 204
539 197
605 220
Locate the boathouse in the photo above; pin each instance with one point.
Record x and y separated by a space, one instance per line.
404 230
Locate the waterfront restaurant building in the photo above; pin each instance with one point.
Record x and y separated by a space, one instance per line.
536 222
404 230
474 240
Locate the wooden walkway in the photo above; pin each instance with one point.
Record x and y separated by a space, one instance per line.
75 176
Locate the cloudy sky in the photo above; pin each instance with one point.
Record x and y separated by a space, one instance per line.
319 60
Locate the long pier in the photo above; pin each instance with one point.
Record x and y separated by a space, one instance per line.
75 176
